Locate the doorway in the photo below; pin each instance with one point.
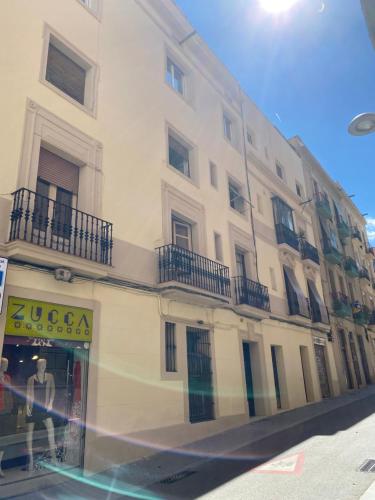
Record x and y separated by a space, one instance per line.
349 380
362 353
199 375
246 351
321 364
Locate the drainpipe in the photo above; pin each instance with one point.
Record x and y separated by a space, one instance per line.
248 182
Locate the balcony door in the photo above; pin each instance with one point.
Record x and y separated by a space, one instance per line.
241 264
182 234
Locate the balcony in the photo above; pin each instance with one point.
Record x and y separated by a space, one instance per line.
189 268
371 319
341 305
286 236
308 251
322 205
343 229
251 293
364 274
331 253
362 316
351 267
43 222
356 234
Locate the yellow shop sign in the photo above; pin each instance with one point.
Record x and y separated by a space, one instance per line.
32 318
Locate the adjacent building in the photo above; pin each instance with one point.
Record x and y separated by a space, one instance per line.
164 258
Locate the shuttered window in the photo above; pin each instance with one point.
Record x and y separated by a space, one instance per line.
316 301
296 299
57 171
66 74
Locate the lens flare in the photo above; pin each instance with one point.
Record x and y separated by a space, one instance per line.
276 6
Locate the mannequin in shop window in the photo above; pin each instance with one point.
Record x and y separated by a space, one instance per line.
7 426
40 394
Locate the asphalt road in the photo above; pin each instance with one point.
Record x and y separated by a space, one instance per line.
326 453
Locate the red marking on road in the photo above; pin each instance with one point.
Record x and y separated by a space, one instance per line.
291 464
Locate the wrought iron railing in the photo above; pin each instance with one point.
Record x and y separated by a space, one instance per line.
308 251
286 235
371 320
322 205
331 252
356 233
361 314
316 313
341 304
351 267
181 265
251 293
41 221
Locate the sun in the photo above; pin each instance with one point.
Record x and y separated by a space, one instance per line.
276 6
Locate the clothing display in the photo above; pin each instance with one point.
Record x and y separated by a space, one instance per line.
7 420
39 412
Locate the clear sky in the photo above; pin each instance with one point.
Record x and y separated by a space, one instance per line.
310 70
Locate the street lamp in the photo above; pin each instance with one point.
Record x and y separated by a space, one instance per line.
362 124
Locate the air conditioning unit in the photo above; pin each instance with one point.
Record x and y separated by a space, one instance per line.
63 274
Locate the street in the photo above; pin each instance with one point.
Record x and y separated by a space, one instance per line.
323 458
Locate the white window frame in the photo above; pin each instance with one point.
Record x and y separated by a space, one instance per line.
91 79
189 238
213 175
94 7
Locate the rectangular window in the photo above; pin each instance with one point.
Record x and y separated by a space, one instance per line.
259 204
63 213
182 234
299 190
175 76
249 137
228 132
240 263
213 175
273 279
297 301
179 155
218 247
279 171
65 74
236 200
283 214
40 214
170 347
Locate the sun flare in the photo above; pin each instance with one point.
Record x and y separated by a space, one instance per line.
276 6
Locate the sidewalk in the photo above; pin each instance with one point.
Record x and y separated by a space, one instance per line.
134 478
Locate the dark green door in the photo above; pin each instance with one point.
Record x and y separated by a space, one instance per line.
248 378
199 375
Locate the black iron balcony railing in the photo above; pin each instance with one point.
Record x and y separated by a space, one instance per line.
181 265
286 235
356 233
308 251
332 254
341 305
46 223
363 273
361 314
351 267
322 205
371 319
251 293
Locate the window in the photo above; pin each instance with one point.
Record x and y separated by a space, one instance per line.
175 76
296 300
280 171
179 155
236 200
249 137
299 189
240 263
170 347
228 128
273 279
218 247
283 214
213 175
71 74
259 204
182 234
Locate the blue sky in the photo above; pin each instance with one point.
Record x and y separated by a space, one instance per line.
313 66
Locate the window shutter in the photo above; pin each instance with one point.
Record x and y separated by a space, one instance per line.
297 290
65 74
57 171
318 299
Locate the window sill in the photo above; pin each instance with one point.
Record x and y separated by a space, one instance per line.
82 107
183 176
243 215
94 13
183 97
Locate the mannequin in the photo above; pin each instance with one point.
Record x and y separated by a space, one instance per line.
40 395
6 406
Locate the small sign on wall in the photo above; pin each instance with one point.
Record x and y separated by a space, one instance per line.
3 274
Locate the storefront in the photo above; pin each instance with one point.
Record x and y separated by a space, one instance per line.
43 386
